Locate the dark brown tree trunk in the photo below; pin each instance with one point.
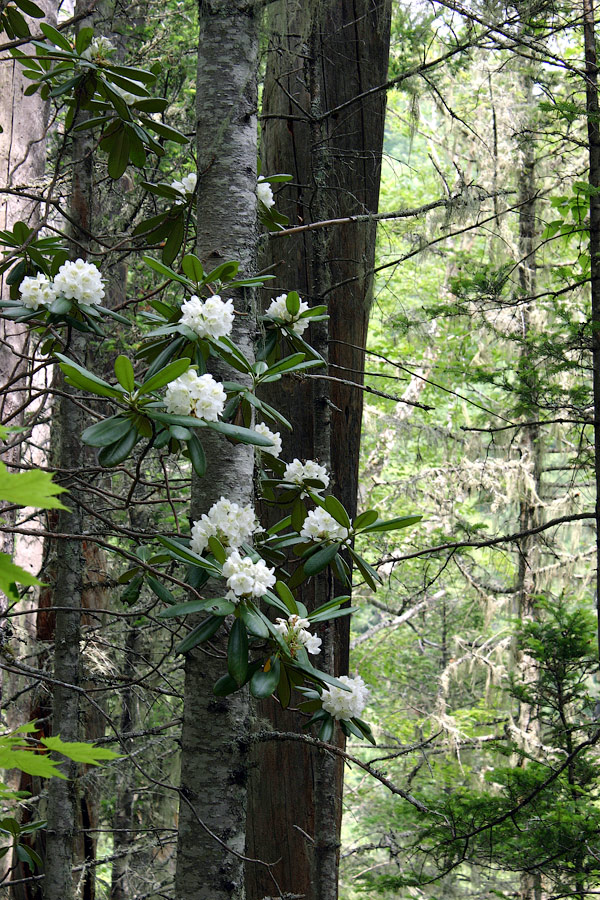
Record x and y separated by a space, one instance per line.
322 57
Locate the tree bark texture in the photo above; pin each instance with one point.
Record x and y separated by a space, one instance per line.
593 125
215 735
322 57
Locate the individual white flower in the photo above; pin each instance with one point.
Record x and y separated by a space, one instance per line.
187 185
195 395
346 704
298 472
265 194
232 524
37 291
320 526
99 49
294 632
278 310
211 318
81 281
273 436
127 96
246 578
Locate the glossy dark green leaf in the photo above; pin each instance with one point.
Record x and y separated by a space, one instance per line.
243 435
162 592
335 509
85 379
192 267
119 451
225 686
165 376
197 456
106 432
173 242
165 131
263 683
124 373
287 597
185 609
321 559
367 571
200 633
118 158
366 518
167 272
255 622
55 36
284 688
326 729
392 524
237 652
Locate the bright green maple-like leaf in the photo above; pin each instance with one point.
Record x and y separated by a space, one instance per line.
79 751
34 488
11 573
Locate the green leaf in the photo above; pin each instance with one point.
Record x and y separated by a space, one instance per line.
391 524
335 509
124 373
292 303
287 597
118 452
330 605
192 267
254 620
34 488
243 435
237 652
83 39
284 688
17 22
263 683
78 751
174 241
79 377
225 686
166 375
367 571
321 559
167 272
55 37
185 609
366 518
11 573
186 555
326 729
118 158
30 9
30 762
201 633
102 434
197 456
165 131
162 592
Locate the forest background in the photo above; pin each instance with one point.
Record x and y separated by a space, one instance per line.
481 384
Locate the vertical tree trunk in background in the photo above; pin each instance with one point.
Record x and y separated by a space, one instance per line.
23 121
593 125
68 566
321 56
215 735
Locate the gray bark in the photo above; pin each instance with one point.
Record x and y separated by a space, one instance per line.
215 730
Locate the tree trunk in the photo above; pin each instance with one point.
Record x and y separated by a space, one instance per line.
215 733
322 55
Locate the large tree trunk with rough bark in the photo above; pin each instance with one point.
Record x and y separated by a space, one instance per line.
215 737
318 126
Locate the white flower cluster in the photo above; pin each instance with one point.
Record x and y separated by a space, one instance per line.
278 310
211 318
320 526
99 49
187 185
77 280
246 578
273 436
232 524
297 472
195 395
265 194
294 632
37 291
81 281
346 704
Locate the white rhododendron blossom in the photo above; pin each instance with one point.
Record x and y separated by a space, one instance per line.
246 578
232 524
273 436
187 185
265 194
211 318
320 526
81 281
100 48
346 704
298 472
37 291
278 310
294 631
195 395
